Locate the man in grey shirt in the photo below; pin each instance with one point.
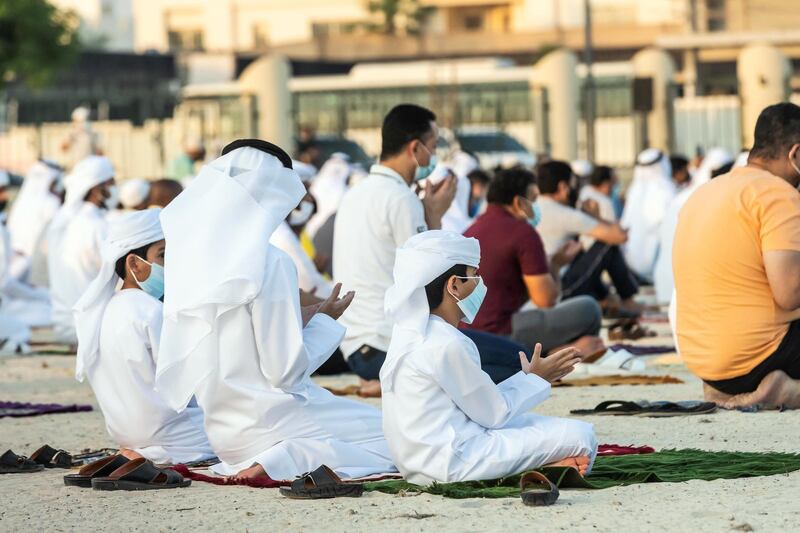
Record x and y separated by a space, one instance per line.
562 223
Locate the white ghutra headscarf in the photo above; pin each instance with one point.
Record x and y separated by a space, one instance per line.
218 230
126 233
423 258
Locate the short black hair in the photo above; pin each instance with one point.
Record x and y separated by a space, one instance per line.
119 268
508 184
678 163
601 175
435 289
777 129
403 124
479 176
552 173
264 146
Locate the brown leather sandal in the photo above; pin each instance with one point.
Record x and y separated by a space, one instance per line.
140 474
101 468
545 493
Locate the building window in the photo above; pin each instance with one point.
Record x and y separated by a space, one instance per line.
473 22
715 10
185 40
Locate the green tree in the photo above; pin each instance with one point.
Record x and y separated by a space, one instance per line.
36 40
393 11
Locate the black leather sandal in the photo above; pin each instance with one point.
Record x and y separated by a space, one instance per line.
102 468
321 483
52 458
11 463
545 493
140 474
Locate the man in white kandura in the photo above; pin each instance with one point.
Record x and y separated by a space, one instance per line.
444 418
118 346
34 207
75 236
646 204
236 338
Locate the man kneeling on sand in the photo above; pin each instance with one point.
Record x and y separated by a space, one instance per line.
736 261
444 418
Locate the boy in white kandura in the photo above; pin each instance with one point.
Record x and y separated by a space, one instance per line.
443 417
119 334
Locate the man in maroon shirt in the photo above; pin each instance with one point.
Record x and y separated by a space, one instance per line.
515 269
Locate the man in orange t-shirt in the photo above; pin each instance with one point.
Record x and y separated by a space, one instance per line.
736 261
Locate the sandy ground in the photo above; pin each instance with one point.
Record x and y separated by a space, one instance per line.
40 502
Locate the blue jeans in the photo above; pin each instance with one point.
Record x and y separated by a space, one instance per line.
499 357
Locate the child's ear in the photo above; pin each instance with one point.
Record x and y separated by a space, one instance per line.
130 263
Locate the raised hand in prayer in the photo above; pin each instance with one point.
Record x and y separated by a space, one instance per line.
334 306
437 200
553 367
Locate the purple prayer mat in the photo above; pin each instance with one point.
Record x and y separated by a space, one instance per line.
19 409
642 350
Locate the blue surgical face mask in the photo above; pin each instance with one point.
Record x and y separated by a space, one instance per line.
616 190
424 172
154 284
537 214
472 303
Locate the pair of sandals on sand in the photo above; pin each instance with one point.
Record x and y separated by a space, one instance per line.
114 472
44 457
117 472
324 483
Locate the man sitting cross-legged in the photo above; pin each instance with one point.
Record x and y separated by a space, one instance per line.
444 418
736 261
235 336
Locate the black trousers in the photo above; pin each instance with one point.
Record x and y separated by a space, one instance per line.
584 276
786 358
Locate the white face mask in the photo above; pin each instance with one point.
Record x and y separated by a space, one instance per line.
794 166
300 216
112 201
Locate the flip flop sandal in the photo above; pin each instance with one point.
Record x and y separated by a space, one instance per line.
611 408
648 409
140 474
545 493
11 463
52 458
665 409
90 456
101 468
321 483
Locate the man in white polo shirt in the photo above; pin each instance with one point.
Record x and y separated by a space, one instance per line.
376 217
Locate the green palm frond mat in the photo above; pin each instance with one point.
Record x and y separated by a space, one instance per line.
668 466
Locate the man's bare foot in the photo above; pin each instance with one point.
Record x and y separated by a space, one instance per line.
580 463
590 346
776 390
713 395
253 472
369 388
129 454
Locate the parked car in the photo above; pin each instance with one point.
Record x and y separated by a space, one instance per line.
330 144
494 148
